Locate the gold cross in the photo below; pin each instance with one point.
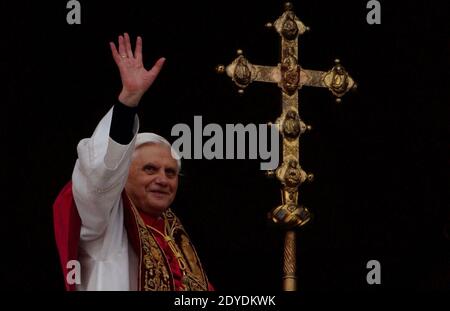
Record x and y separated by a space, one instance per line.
290 77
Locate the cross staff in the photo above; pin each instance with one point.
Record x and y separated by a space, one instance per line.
290 77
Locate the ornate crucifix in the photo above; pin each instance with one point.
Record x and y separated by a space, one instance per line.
290 77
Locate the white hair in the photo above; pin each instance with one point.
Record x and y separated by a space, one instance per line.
147 138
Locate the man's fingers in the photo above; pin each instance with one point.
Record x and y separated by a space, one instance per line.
115 53
138 50
128 46
122 51
153 73
159 63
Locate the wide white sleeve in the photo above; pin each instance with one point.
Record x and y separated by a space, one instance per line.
99 178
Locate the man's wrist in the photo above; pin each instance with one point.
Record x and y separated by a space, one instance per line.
129 99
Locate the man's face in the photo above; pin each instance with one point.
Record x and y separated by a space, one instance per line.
153 179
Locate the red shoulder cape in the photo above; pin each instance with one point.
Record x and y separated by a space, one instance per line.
67 225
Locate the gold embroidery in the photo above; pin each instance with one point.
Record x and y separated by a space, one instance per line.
157 275
194 278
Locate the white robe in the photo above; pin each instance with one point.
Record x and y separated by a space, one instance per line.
107 259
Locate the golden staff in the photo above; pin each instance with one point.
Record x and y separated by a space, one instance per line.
290 77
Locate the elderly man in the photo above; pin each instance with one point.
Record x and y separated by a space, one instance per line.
113 218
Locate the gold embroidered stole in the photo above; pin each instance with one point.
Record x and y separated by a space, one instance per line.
154 269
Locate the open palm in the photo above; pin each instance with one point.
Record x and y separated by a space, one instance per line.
135 78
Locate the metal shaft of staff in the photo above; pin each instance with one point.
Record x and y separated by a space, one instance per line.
289 265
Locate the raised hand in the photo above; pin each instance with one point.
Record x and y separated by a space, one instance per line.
135 78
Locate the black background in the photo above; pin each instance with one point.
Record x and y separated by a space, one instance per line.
380 158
